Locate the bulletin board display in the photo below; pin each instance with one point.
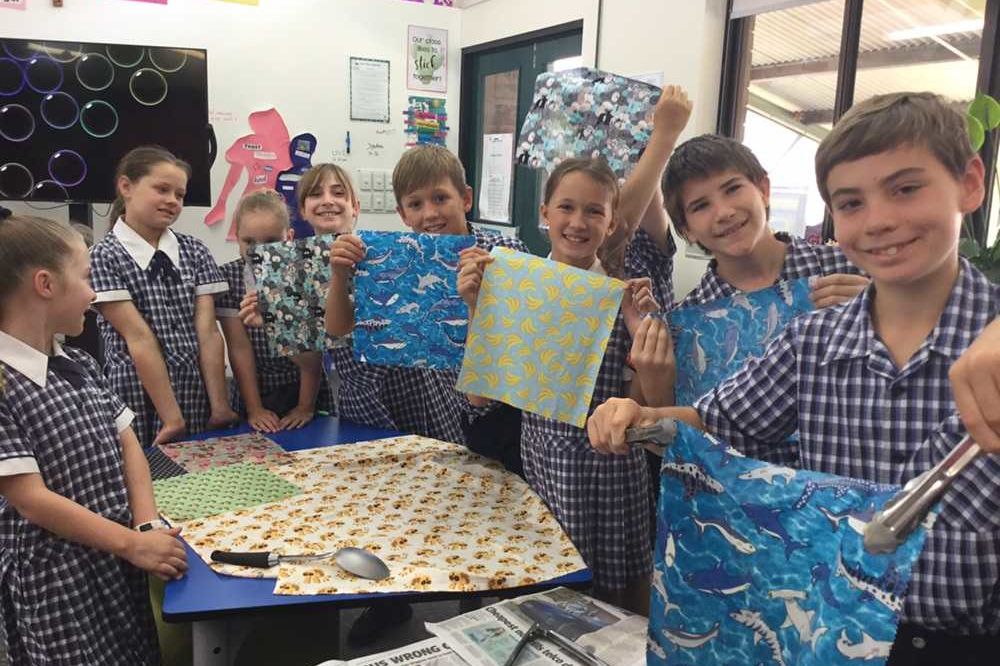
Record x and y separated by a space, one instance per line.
70 110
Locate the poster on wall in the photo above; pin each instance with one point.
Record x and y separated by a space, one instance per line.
369 89
425 121
427 59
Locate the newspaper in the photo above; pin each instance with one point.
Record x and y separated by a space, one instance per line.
487 637
431 652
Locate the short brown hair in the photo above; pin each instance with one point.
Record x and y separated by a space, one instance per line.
424 166
884 122
612 250
31 242
136 164
702 157
266 200
315 175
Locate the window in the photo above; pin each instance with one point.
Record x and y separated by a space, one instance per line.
791 68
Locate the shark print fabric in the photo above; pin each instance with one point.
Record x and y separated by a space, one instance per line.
407 311
760 564
291 279
587 112
713 340
539 335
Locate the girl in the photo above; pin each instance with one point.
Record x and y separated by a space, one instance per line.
73 477
274 392
605 505
155 297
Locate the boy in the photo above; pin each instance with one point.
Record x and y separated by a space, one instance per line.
717 195
866 384
431 197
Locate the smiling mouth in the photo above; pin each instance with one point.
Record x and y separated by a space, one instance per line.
434 228
732 230
576 240
889 250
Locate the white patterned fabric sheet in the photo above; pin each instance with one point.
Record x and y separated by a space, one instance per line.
441 517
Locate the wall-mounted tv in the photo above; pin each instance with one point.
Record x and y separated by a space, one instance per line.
70 110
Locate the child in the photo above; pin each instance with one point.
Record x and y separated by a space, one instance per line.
866 384
73 477
155 297
604 504
717 195
274 392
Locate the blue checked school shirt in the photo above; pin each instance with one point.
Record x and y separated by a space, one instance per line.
859 416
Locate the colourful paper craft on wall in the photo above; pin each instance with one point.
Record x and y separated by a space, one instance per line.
426 120
539 334
713 340
756 563
263 154
300 151
586 112
291 281
407 308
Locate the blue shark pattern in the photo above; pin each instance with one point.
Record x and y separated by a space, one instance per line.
713 340
407 309
771 569
291 279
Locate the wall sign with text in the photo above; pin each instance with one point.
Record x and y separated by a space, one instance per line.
427 59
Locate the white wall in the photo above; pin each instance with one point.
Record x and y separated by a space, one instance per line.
289 54
681 38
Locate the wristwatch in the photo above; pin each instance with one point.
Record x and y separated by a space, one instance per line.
152 525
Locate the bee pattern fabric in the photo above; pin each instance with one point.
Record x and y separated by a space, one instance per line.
713 340
539 334
463 523
291 278
585 112
407 308
756 563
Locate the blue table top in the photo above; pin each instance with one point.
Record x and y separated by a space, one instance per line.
203 594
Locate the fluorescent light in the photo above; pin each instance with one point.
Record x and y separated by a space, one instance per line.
972 25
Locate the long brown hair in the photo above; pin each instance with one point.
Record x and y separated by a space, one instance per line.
137 163
612 250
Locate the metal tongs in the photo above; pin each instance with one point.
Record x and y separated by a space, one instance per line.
890 527
536 632
654 438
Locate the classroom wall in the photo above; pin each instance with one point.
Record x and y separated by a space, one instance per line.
290 54
681 38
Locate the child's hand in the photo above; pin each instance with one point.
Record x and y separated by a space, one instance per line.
672 111
606 426
159 552
652 351
638 302
975 383
249 314
296 418
222 418
836 289
170 431
345 253
471 266
263 420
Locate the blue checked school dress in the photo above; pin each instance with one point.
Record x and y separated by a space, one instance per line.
275 374
64 603
163 284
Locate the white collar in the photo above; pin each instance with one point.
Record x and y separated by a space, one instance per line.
595 267
27 360
139 248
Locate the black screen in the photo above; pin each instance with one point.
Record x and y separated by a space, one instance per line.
70 110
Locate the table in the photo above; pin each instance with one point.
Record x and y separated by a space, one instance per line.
218 606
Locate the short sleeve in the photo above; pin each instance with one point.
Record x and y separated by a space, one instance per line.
227 303
208 277
644 258
122 414
106 274
16 453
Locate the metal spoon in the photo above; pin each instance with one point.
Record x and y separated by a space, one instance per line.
358 561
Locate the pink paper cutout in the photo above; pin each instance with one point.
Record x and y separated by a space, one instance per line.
264 154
